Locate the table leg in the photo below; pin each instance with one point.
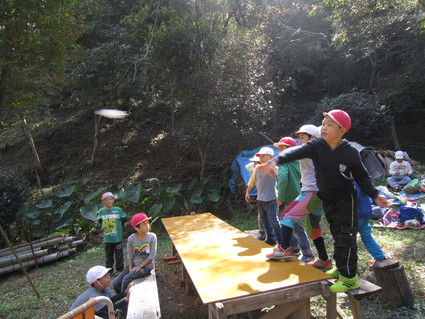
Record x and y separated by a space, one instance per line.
216 311
331 312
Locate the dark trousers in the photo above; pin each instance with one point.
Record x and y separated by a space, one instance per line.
114 250
342 218
118 301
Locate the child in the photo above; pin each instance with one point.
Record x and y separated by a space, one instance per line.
399 171
365 213
141 251
307 202
254 161
288 189
266 195
99 279
335 161
112 220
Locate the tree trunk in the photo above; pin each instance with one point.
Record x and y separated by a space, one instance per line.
30 140
203 162
96 129
394 134
3 79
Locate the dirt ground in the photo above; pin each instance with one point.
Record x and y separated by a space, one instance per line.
174 300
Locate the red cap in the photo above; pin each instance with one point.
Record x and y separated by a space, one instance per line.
287 141
341 117
138 218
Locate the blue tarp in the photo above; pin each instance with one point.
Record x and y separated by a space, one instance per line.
371 163
238 167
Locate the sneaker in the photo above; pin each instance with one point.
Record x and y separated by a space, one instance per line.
307 259
280 253
320 264
398 188
261 236
270 241
375 263
344 284
334 272
296 251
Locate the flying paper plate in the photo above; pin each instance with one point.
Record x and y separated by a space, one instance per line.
111 113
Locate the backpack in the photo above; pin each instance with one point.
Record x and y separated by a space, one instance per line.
413 187
410 211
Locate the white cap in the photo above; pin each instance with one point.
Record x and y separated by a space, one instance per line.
96 273
399 155
309 129
107 194
265 151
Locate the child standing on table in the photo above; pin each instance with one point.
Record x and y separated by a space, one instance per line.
306 204
112 219
265 181
254 161
141 252
288 189
335 161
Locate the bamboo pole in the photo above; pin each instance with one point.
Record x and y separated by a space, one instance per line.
27 244
47 243
41 260
10 260
20 263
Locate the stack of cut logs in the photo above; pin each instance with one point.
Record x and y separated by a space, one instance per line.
38 252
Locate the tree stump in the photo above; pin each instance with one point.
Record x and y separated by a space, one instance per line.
390 275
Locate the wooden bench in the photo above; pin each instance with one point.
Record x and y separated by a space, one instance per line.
144 299
354 296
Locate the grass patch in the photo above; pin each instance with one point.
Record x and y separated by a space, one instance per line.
59 283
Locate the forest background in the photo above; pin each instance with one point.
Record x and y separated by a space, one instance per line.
200 79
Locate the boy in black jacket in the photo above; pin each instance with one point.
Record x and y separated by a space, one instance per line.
335 161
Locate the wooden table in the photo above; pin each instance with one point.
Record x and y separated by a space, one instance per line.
232 275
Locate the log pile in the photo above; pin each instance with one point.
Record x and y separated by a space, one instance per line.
40 251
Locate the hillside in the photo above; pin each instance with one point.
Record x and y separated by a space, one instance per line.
137 147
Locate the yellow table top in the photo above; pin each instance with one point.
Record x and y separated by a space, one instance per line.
224 262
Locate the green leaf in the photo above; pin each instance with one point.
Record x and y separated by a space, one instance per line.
66 192
155 210
192 183
214 188
133 192
204 181
121 194
62 223
45 203
63 208
213 197
30 213
174 190
169 202
196 197
89 211
156 191
95 194
187 205
153 180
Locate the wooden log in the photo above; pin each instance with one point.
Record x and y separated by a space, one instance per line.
41 260
47 243
390 275
27 244
10 260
